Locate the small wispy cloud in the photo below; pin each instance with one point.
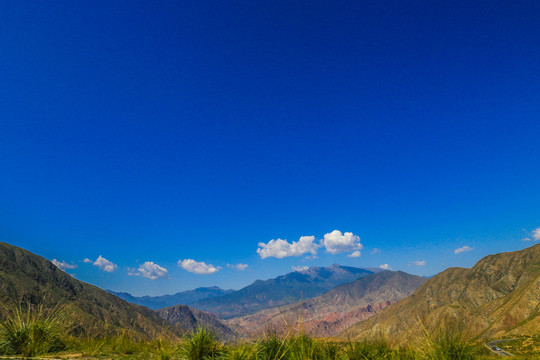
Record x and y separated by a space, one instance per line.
526 239
300 268
87 261
375 251
354 254
385 267
419 262
105 264
62 265
536 234
463 249
149 270
282 248
197 267
335 242
238 266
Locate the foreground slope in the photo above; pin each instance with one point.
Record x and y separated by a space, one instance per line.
26 278
336 310
181 298
499 296
285 289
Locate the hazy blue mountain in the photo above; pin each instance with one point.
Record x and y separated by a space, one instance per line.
182 298
285 289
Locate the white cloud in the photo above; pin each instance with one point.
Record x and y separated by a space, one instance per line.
336 242
463 249
238 266
149 270
300 268
197 267
526 239
354 254
419 262
105 264
385 267
62 265
375 251
282 248
87 261
536 234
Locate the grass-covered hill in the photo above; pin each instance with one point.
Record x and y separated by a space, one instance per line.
499 296
27 279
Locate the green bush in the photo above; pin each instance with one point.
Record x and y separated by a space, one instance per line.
272 348
33 332
201 345
239 352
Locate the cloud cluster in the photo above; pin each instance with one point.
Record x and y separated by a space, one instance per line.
282 248
150 270
385 267
300 268
105 264
463 249
334 242
238 266
197 267
62 265
419 262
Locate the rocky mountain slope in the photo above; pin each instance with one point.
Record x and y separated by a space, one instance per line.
336 310
499 296
191 319
181 298
28 279
285 289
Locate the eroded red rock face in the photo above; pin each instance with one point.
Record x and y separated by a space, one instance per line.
334 311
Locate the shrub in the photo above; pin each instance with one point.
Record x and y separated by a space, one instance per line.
201 345
272 348
33 332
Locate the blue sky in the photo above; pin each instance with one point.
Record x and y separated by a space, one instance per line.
146 133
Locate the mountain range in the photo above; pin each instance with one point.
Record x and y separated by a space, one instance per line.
30 280
282 290
181 298
499 296
336 310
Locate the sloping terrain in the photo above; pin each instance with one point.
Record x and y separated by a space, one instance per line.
499 296
336 310
28 279
181 298
285 289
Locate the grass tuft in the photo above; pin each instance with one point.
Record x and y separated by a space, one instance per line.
33 331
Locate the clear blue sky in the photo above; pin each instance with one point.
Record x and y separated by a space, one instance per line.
169 130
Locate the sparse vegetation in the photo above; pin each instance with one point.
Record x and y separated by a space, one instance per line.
31 332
